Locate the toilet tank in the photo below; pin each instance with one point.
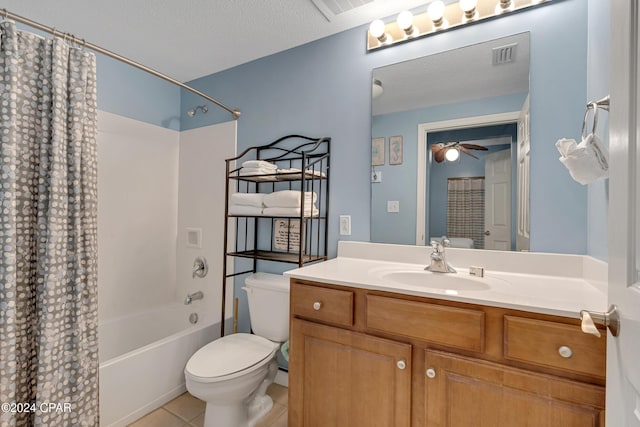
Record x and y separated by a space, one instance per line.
268 296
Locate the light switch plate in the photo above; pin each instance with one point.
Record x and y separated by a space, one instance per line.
345 225
393 206
376 176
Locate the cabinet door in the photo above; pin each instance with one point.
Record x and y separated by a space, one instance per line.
462 392
343 378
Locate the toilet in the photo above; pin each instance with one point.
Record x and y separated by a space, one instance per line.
232 373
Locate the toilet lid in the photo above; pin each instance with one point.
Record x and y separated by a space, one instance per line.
229 354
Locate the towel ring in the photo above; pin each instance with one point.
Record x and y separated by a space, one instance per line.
591 106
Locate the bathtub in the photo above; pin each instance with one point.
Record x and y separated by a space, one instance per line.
142 360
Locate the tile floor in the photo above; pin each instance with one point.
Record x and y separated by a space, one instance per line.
187 411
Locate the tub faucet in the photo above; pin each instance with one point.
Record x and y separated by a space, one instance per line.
193 297
438 262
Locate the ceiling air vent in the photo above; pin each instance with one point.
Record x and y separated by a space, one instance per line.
504 54
332 8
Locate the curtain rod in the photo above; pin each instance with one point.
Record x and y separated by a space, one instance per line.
8 15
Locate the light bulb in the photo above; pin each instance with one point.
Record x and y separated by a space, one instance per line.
377 28
504 6
405 20
436 14
436 10
468 5
452 154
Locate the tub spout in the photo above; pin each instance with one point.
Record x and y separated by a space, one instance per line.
193 297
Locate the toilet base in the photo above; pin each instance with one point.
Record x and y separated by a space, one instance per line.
258 409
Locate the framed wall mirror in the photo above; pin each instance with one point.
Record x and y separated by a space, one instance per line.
464 119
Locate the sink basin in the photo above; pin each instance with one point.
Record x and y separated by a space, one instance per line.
436 281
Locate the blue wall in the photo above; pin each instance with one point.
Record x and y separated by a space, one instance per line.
323 88
401 227
598 87
129 92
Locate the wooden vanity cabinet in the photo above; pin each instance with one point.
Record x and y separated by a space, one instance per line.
369 358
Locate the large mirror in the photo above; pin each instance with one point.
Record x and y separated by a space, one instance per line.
450 147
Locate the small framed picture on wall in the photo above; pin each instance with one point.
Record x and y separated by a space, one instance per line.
377 152
395 150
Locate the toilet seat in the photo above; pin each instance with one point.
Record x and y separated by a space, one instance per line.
229 357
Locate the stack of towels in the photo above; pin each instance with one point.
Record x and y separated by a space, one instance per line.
287 203
258 167
279 203
250 204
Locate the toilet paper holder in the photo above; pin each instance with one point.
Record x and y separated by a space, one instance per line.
610 319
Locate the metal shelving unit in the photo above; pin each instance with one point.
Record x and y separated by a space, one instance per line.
303 165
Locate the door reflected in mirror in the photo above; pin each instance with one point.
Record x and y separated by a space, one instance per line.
463 116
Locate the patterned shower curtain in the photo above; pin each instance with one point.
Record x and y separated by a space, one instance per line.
465 209
48 232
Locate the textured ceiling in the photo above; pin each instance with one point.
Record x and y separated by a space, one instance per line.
187 39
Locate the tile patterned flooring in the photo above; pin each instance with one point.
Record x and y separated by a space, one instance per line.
187 411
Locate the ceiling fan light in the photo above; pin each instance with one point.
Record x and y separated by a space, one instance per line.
452 154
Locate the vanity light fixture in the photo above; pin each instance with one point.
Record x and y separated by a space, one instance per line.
452 154
435 11
439 17
405 22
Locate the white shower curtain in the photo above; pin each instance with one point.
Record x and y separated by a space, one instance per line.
48 232
465 209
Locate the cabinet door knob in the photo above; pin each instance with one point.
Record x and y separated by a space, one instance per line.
401 364
317 305
431 373
565 352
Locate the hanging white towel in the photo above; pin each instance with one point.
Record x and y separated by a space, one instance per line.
289 212
289 199
259 164
247 199
587 161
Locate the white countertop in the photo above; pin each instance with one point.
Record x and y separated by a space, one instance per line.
560 295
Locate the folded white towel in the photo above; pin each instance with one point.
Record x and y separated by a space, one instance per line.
257 171
587 161
245 210
261 164
286 212
247 199
289 199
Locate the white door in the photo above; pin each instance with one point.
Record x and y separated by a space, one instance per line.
523 156
623 352
497 203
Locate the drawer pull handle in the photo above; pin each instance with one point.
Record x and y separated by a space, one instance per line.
565 352
317 305
401 364
431 373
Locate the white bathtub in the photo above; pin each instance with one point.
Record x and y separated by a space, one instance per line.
142 360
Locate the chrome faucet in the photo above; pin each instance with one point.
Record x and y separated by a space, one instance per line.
438 262
193 297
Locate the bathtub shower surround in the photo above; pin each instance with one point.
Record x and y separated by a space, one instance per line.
48 230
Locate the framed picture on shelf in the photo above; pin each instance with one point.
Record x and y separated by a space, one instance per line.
288 235
377 152
395 150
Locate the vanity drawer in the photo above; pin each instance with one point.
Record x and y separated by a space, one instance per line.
324 304
450 326
541 342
